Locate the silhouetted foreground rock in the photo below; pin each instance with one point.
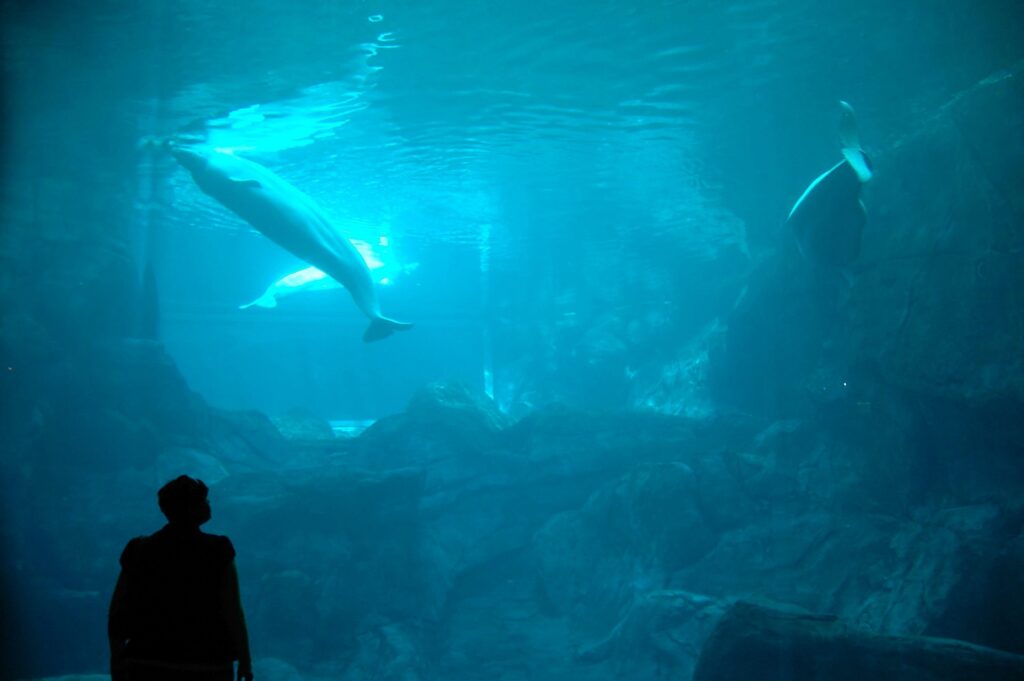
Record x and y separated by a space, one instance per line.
768 644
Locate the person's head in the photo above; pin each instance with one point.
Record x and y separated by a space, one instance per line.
183 501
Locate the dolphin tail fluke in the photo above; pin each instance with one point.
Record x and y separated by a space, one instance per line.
848 126
266 300
852 151
859 162
382 327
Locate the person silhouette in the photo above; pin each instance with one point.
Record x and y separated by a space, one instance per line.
176 613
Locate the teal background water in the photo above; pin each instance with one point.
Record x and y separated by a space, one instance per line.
593 154
580 205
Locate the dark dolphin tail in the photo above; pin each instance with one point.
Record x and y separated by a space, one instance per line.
382 327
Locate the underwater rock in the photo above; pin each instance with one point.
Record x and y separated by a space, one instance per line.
470 476
278 605
452 399
82 290
388 653
302 425
936 301
244 440
568 545
939 303
173 462
627 540
994 141
853 460
441 420
846 563
773 338
337 552
924 338
767 643
494 616
120 402
985 603
937 309
274 669
487 490
660 636
680 386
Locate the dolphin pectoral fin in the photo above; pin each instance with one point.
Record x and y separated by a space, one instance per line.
859 162
382 327
245 182
266 300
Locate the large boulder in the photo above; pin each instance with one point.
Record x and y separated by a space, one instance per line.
775 336
325 555
888 574
935 303
939 301
660 637
985 604
628 539
759 642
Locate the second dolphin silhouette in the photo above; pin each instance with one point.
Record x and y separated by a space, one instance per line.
829 216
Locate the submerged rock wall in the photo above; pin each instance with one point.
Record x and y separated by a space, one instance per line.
923 336
758 642
447 542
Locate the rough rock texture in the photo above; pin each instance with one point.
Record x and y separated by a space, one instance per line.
446 542
940 302
660 637
757 642
924 333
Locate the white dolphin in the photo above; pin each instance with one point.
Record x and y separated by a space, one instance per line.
292 220
314 279
309 279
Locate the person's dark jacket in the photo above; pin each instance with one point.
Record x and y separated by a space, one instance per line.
174 598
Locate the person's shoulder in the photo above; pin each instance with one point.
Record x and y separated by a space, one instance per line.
219 543
134 547
214 538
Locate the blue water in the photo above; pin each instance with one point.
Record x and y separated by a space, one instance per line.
573 146
568 200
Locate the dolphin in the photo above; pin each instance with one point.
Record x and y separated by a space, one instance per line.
828 218
314 279
289 218
309 279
